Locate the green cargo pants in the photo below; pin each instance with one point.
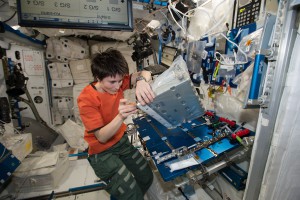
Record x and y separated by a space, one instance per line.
124 169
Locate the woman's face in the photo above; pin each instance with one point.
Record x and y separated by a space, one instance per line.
111 84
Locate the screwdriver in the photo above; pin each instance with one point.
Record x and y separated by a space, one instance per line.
237 136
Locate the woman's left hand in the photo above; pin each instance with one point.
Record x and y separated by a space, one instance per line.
144 92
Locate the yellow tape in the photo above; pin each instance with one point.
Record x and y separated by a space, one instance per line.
216 71
28 146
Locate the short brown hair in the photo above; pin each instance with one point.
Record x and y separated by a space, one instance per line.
109 63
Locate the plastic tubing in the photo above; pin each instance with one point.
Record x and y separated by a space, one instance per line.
214 10
220 21
235 63
175 9
238 48
169 8
202 9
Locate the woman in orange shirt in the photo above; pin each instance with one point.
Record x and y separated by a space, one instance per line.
103 109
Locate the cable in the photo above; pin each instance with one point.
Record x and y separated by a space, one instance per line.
183 21
165 16
238 33
179 13
181 191
246 57
218 53
201 89
205 11
235 62
219 21
183 24
214 10
10 17
188 15
169 8
175 9
3 152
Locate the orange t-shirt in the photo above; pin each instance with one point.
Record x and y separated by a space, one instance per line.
96 110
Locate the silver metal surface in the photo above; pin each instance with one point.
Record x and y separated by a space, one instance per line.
220 165
266 122
175 106
282 178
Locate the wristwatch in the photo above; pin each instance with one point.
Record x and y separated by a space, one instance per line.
139 78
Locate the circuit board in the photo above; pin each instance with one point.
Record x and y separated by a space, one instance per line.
161 141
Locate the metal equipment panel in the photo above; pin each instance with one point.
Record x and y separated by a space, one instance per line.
166 143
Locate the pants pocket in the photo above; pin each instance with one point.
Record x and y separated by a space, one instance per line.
104 166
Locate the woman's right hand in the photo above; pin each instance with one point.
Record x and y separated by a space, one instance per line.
126 108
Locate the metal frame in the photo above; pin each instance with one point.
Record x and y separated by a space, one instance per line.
254 91
282 38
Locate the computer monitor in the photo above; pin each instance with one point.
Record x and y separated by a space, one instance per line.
76 14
